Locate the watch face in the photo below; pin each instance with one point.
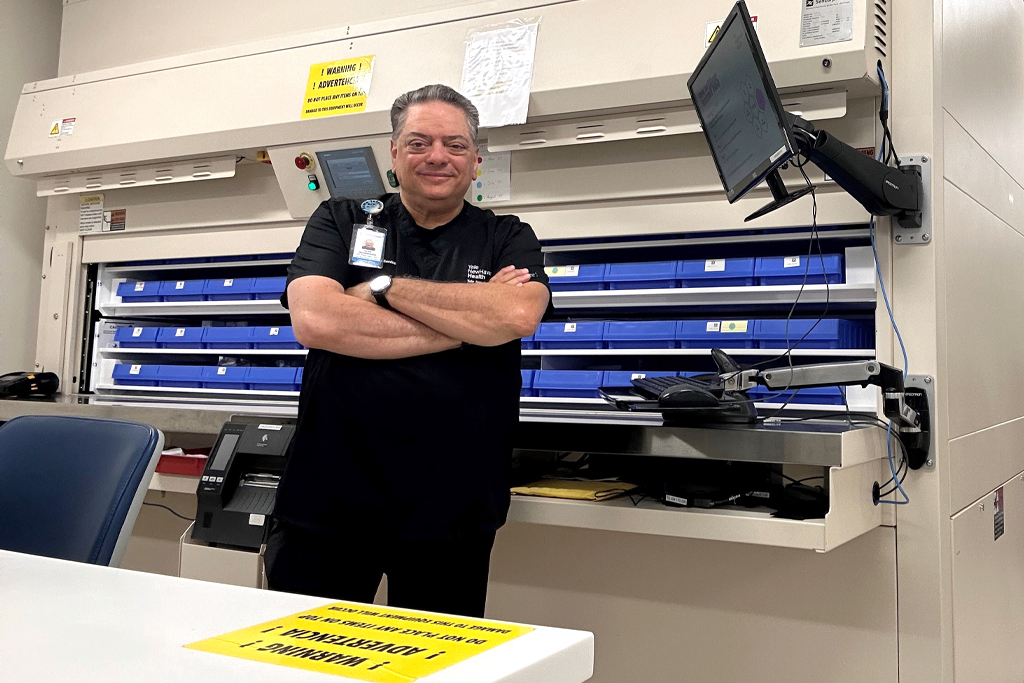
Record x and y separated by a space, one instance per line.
380 283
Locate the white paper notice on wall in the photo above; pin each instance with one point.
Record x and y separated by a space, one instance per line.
825 21
493 177
90 214
498 70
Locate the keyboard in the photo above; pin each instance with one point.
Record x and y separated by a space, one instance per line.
652 387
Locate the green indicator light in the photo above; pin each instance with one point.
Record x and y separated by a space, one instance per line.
312 186
479 197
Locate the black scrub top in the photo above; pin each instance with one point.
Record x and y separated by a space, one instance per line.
413 448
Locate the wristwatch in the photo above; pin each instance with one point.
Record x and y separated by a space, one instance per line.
379 287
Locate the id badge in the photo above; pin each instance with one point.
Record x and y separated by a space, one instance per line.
367 246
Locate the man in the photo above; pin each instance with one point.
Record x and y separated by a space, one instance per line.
411 389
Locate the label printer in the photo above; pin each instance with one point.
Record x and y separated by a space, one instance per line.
239 485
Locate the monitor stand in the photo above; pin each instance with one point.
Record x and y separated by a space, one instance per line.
781 195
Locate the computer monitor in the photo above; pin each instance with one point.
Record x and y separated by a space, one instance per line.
351 173
740 111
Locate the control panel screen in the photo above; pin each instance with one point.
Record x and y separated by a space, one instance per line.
224 450
351 173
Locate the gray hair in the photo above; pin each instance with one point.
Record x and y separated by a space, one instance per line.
433 93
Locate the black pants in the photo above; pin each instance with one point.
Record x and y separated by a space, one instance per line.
436 576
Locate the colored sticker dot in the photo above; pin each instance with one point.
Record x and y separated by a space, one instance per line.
732 326
479 160
479 173
479 184
479 197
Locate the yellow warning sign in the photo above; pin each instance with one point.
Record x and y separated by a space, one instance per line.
338 87
55 129
365 642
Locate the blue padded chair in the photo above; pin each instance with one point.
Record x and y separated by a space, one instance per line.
71 487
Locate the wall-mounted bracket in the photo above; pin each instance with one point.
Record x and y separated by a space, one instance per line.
919 394
905 232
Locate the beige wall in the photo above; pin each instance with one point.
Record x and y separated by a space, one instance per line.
29 39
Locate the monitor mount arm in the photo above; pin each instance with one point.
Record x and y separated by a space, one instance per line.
907 409
881 189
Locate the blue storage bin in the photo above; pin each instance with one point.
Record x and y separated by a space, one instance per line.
272 379
227 337
274 338
716 334
831 333
180 337
133 292
646 275
229 259
730 272
183 261
624 378
182 290
136 337
269 287
298 377
229 289
528 342
583 278
275 257
527 389
579 335
224 377
568 383
822 396
180 376
643 334
136 375
789 270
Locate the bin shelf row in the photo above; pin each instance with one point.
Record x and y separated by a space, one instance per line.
201 263
208 377
585 384
828 333
706 351
727 272
281 337
214 289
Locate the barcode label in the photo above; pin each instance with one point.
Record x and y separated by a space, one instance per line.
180 284
714 327
229 282
637 375
562 271
274 331
222 371
180 332
714 265
570 327
137 332
675 499
791 262
139 286
134 370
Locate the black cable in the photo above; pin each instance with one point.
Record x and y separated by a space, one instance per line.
158 505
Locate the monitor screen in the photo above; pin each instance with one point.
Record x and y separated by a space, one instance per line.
739 108
351 173
224 450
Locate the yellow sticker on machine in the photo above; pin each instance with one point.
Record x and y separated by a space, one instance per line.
734 326
365 642
338 87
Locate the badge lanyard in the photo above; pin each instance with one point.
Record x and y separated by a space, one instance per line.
367 248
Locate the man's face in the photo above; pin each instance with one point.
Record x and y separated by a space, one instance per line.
434 157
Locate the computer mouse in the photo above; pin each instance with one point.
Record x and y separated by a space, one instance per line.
687 396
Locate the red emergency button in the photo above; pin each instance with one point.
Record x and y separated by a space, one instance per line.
303 161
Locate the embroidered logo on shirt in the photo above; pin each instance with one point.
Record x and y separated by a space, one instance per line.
477 274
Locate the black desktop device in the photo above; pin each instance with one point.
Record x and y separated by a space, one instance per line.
239 485
351 173
751 136
26 384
